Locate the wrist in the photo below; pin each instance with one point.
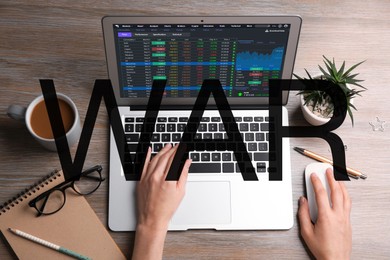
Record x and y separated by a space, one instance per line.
152 228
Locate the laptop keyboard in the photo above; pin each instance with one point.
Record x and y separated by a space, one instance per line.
254 131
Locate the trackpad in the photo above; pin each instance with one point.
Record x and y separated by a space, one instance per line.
205 203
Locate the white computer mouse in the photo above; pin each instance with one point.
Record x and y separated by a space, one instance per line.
320 170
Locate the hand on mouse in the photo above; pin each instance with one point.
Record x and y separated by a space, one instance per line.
331 236
157 201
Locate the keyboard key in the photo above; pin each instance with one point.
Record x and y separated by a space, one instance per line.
180 127
261 167
129 119
252 147
176 137
205 157
254 127
208 136
260 137
259 119
218 136
160 128
132 138
138 127
132 147
227 119
172 119
129 128
205 119
221 127
162 119
266 119
215 119
244 127
249 137
166 137
139 119
248 119
213 127
205 168
183 119
216 157
261 157
228 167
157 147
155 138
238 119
226 157
195 157
264 127
202 127
198 136
171 128
263 146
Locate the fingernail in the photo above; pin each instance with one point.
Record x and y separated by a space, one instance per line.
302 200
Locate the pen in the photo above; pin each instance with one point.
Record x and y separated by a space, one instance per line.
48 244
351 172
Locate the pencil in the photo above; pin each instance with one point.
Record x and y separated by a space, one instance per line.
48 244
351 172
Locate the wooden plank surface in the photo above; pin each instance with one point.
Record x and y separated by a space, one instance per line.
62 40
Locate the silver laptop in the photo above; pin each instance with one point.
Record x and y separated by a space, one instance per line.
243 53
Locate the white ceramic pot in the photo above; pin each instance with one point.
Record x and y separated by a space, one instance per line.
312 118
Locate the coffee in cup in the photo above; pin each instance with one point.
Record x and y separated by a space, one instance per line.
37 120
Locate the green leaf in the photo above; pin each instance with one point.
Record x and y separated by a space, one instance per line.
341 70
350 115
324 72
351 69
351 105
308 74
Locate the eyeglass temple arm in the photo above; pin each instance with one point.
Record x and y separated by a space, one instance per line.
42 206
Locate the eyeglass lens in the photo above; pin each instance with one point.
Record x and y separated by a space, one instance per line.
88 183
51 203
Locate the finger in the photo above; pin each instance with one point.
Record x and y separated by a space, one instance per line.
307 228
320 194
181 184
171 155
163 162
146 164
346 198
155 161
336 195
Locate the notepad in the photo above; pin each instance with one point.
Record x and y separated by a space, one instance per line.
75 226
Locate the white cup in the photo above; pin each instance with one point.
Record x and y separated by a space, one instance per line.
24 114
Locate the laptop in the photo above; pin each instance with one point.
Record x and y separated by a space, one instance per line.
243 53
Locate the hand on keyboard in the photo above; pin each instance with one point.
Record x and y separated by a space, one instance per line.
157 201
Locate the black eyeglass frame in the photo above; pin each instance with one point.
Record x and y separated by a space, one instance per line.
65 185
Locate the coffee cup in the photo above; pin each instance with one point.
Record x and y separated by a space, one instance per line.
37 120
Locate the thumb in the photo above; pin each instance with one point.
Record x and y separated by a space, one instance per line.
307 227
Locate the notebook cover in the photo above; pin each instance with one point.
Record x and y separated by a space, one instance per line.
75 226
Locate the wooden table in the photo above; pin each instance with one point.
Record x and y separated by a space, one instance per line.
63 41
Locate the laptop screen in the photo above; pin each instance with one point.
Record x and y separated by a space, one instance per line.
242 56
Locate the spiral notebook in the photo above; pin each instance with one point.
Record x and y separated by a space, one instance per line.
75 226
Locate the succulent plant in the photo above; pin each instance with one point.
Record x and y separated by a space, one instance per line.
341 77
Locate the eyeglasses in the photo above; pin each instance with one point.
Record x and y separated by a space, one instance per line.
54 199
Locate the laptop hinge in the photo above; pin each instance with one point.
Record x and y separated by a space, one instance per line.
210 107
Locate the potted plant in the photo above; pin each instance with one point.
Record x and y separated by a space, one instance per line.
317 106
